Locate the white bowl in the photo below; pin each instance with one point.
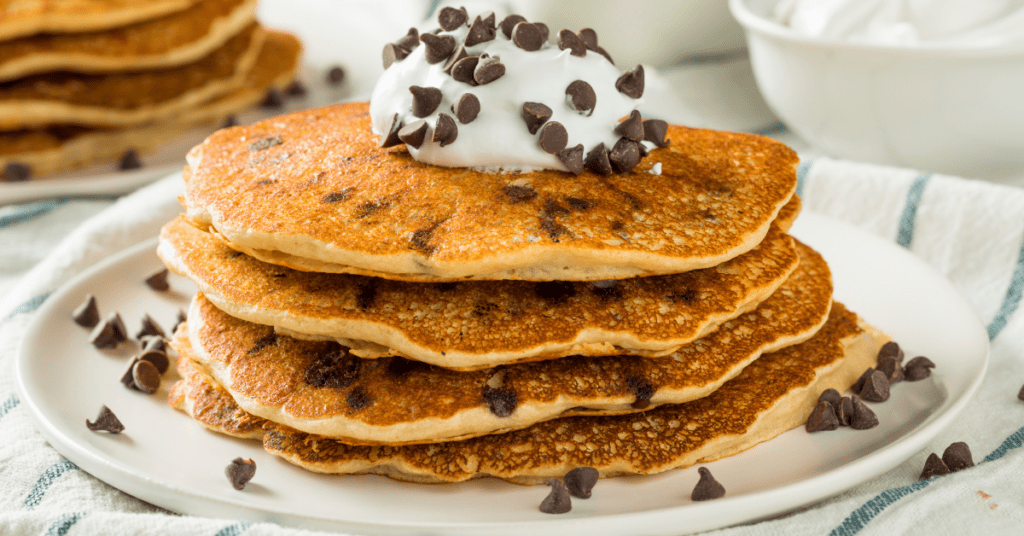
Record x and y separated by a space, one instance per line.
935 108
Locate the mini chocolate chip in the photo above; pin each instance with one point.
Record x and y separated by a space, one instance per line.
875 388
240 472
230 121
154 342
128 379
149 327
480 31
488 69
336 197
129 160
643 390
106 333
554 291
518 194
120 331
580 98
527 37
413 134
707 487
589 38
823 418
831 396
580 481
632 127
579 204
844 410
296 89
918 368
393 53
146 377
263 144
158 280
631 83
358 398
450 18
391 138
544 32
625 155
466 108
957 456
490 20
535 115
891 368
106 421
597 160
508 24
1020 394
553 137
643 151
607 56
454 58
17 172
445 130
891 349
263 342
409 41
933 466
424 100
87 315
502 401
336 369
572 157
557 501
273 99
156 358
569 40
439 47
862 417
464 69
859 384
655 131
335 75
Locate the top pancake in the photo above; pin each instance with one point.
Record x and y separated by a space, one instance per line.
314 191
19 18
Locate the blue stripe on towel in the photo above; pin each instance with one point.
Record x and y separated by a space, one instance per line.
861 516
1011 301
64 524
234 530
905 235
801 176
9 404
17 214
29 306
1013 442
45 481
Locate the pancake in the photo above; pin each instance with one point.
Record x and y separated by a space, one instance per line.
272 380
132 98
321 195
19 18
171 40
54 149
772 395
479 324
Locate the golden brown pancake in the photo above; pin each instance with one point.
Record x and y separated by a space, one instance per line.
53 149
772 395
19 18
171 40
311 386
124 99
479 324
314 191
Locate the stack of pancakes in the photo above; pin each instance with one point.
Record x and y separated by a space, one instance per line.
88 80
362 312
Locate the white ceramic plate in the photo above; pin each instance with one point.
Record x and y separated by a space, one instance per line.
165 458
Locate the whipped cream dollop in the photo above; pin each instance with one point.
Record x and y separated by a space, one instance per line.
535 71
967 23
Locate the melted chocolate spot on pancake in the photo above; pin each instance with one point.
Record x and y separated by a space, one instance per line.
400 366
446 287
553 209
554 229
520 193
265 143
607 293
502 401
263 342
554 291
686 296
421 240
642 389
337 196
370 207
265 182
358 398
336 369
579 204
367 294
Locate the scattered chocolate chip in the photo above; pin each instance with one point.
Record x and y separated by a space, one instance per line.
158 280
240 472
490 20
544 32
358 398
129 160
527 37
413 134
156 358
445 130
655 131
439 47
106 421
862 417
597 161
957 456
891 368
393 53
463 70
87 315
274 98
580 98
488 69
263 342
154 342
425 100
859 384
128 379
466 108
918 368
572 157
263 144
707 487
631 83
535 115
454 58
557 501
1020 394
625 155
607 56
875 388
642 389
296 89
831 396
891 349
109 333
632 127
589 38
518 194
450 18
580 481
409 41
844 410
334 370
554 291
502 401
933 466
481 31
570 41
230 121
146 377
823 418
508 24
553 137
17 172
388 140
149 327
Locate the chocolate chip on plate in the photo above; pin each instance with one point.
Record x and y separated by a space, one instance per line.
450 18
891 368
861 418
571 42
655 131
153 342
87 315
296 89
580 481
149 327
108 333
553 137
891 349
572 157
424 100
597 160
390 139
158 280
508 24
128 379
580 97
859 384
875 388
445 130
535 115
957 456
488 69
145 376
274 98
439 47
933 466
831 396
17 172
918 368
129 160
632 127
527 36
157 358
631 83
106 421
240 472
823 418
558 500
413 134
844 410
625 155
466 108
707 487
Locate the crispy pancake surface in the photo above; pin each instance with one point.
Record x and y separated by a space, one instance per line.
478 324
20 18
314 191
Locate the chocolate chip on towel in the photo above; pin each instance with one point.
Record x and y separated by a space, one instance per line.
87 315
149 327
240 472
450 18
862 417
631 83
957 456
553 137
413 134
16 172
466 108
557 501
145 376
580 481
707 487
535 115
580 98
129 160
158 280
823 418
918 368
106 421
875 388
933 466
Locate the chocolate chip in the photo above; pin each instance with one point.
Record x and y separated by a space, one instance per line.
875 388
862 417
643 151
17 172
557 501
632 127
156 358
109 333
891 368
230 121
580 481
409 41
263 144
625 155
569 40
642 389
488 69
823 418
580 98
544 32
535 115
831 396
631 83
87 315
128 379
273 99
554 291
572 157
502 401
527 37
518 194
439 47
146 377
240 472
367 295
413 134
129 160
509 23
179 320
464 69
707 487
553 137
655 131
1020 394
445 130
158 280
425 100
933 466
918 368
454 58
149 327
358 398
489 19
296 89
106 421
597 161
154 342
388 140
466 108
607 56
450 18
844 410
481 31
335 75
957 456
589 38
891 349
263 342
859 384
333 370
393 53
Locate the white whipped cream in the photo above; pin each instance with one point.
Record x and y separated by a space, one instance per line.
968 23
498 138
